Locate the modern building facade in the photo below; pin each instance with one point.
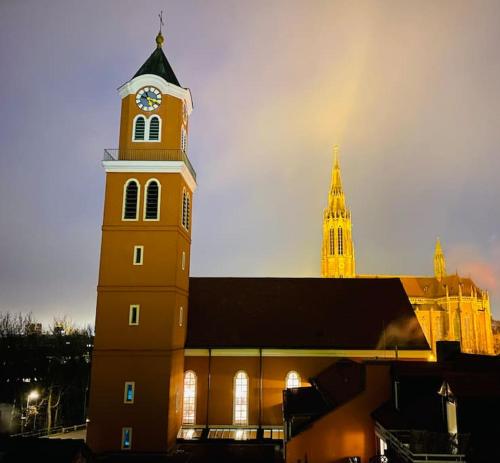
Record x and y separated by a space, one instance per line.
448 307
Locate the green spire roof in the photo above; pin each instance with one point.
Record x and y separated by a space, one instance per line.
158 65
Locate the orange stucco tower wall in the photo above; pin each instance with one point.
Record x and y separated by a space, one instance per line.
142 294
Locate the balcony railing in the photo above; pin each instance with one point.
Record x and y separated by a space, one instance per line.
149 155
424 446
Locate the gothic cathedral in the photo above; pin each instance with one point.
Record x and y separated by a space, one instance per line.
448 307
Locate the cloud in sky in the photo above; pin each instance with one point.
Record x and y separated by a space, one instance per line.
410 92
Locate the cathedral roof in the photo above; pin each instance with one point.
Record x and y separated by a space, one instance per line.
432 287
158 65
300 313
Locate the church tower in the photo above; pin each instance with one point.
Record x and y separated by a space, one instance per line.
142 294
439 262
337 259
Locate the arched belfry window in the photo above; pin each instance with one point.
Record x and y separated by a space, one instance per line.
292 380
139 128
152 200
189 402
186 207
332 241
340 241
131 200
154 128
240 399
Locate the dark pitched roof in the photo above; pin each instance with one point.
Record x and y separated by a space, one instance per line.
327 313
158 64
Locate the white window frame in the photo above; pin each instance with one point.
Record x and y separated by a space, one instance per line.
190 420
137 311
288 379
124 429
146 200
136 247
146 134
186 224
147 122
124 201
238 421
125 398
184 139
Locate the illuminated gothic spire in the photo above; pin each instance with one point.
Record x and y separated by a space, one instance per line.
439 261
336 198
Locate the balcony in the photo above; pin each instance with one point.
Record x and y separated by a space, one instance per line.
149 155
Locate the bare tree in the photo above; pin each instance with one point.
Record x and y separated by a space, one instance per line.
15 324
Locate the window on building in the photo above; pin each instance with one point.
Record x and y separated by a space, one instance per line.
139 129
126 438
186 206
332 241
154 129
133 315
340 241
240 408
181 315
189 403
138 255
128 394
130 200
292 380
183 260
152 201
183 139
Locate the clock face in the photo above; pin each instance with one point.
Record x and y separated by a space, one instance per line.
148 98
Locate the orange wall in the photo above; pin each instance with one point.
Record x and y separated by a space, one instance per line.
346 431
223 370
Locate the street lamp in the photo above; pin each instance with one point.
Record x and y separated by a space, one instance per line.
33 395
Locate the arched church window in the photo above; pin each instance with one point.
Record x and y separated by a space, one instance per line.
139 128
292 380
332 241
154 128
340 241
240 407
189 403
152 200
130 200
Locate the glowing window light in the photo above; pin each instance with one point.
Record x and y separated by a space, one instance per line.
240 411
292 380
189 403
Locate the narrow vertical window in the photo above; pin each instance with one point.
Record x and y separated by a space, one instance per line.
186 206
240 408
332 241
128 394
183 260
181 315
154 129
152 200
340 242
139 128
130 200
183 139
138 255
292 380
133 315
126 438
189 403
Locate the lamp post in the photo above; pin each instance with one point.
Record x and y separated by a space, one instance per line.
33 395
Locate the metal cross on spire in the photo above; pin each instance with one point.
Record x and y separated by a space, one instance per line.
161 19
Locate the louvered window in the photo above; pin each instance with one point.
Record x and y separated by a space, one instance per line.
332 241
154 129
130 203
139 128
186 206
152 200
183 139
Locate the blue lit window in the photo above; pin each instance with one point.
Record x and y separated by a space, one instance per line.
128 396
126 438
